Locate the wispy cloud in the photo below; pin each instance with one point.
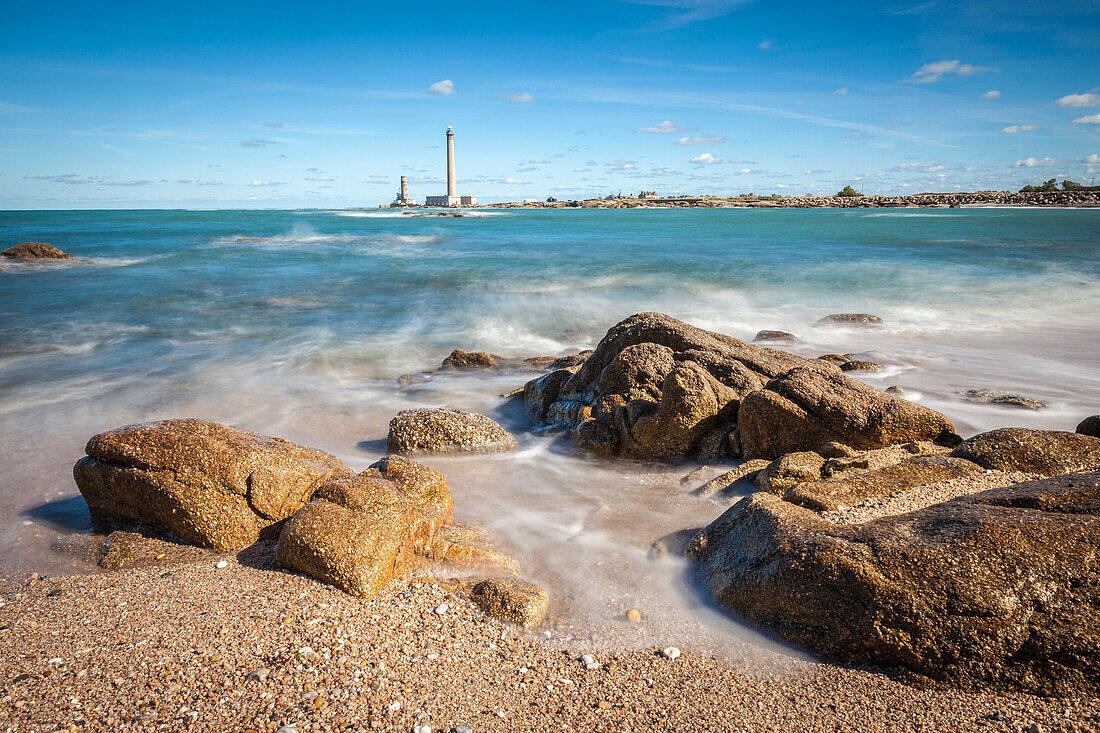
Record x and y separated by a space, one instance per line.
1088 99
665 64
622 165
140 182
70 178
442 87
706 159
1091 164
667 127
273 124
1034 163
258 143
687 12
266 184
992 94
9 108
320 178
522 98
1017 129
933 72
842 91
1088 120
701 140
766 45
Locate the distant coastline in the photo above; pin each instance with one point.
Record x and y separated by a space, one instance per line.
1060 199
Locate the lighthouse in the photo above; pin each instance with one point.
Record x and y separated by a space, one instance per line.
452 198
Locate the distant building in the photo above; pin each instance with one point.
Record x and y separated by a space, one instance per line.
452 198
648 195
403 199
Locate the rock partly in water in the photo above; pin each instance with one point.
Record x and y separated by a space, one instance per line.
815 403
201 482
998 588
1089 426
30 251
656 387
790 470
1043 452
360 532
774 336
848 319
466 548
444 430
463 360
747 471
854 365
995 397
839 492
512 600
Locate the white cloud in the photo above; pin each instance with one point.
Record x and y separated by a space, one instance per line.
516 97
265 184
257 143
766 45
622 165
442 87
1034 163
992 94
933 72
1079 100
1092 164
705 159
931 166
1088 120
744 171
689 12
1017 129
320 178
663 128
701 140
842 90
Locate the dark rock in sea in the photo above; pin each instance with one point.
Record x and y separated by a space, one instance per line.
774 336
860 366
204 483
848 319
443 430
837 492
30 251
995 589
406 380
359 532
1044 452
895 389
995 397
460 359
816 403
512 600
1090 426
656 387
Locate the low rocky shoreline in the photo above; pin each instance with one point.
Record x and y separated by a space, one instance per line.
258 584
1061 199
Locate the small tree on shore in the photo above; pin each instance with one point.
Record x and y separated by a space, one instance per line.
1072 186
1046 187
848 192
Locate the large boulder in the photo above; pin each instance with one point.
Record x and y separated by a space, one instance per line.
204 483
444 430
815 403
1000 588
359 532
1045 452
30 251
1089 426
656 387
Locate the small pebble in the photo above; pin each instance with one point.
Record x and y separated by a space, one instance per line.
463 729
395 706
287 729
439 610
222 564
670 652
634 615
422 729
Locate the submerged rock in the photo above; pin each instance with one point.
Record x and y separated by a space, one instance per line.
359 532
512 600
204 483
460 359
999 588
995 397
1045 452
848 319
444 430
29 251
464 547
774 336
854 365
656 387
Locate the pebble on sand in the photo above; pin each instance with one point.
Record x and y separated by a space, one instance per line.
670 652
222 564
633 615
441 609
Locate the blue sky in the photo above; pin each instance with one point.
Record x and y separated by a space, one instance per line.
291 104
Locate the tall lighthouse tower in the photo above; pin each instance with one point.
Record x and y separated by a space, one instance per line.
452 198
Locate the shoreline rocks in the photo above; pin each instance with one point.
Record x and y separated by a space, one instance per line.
1043 452
996 397
207 484
446 430
848 319
32 251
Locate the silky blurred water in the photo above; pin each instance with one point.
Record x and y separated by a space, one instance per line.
296 323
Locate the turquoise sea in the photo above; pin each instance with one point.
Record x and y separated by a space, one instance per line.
297 323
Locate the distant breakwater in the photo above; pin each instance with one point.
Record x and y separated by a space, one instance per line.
1067 199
